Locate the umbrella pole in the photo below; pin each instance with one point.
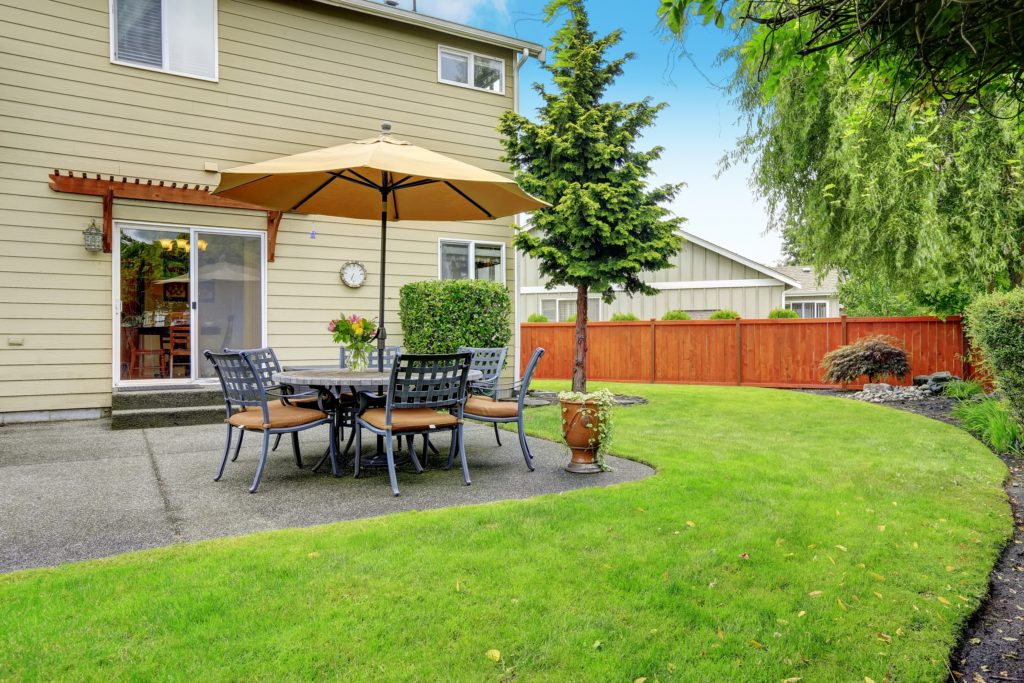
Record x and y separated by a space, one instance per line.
382 334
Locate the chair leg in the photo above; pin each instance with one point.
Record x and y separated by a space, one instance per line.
357 432
410 442
527 456
227 449
451 449
497 434
392 474
277 442
263 463
462 457
430 445
295 449
426 450
241 435
351 438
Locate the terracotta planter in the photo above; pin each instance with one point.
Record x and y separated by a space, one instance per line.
580 430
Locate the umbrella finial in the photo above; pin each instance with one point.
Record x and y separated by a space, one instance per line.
385 128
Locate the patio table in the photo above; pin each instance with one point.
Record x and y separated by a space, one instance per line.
336 381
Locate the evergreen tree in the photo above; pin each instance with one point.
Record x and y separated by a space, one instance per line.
606 225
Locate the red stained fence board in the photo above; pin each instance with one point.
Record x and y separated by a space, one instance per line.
769 353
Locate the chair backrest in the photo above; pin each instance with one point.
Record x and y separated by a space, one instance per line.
390 353
239 380
265 362
180 336
428 381
489 361
531 367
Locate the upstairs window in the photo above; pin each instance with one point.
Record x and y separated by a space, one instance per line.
471 70
176 36
461 260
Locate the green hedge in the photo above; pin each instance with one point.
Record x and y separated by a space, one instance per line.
537 318
623 317
677 315
995 323
725 314
439 316
779 313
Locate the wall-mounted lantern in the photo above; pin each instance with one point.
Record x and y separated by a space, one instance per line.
92 238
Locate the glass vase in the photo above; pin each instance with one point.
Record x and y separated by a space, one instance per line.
358 357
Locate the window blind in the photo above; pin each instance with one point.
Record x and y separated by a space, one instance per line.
139 27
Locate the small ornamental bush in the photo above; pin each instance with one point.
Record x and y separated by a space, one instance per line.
780 313
724 314
537 318
439 316
963 389
570 319
992 422
876 357
623 317
677 315
995 323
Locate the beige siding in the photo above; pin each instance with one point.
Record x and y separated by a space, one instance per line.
294 75
693 263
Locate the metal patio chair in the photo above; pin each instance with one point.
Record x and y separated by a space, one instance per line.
490 361
245 389
487 409
425 396
267 364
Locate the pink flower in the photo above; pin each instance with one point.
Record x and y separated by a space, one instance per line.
353 318
332 326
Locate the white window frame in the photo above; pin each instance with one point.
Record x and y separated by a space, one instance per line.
472 257
557 299
472 57
828 313
163 9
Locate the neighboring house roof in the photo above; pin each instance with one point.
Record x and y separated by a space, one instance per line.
775 273
379 9
809 282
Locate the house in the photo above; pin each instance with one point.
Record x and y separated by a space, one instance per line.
703 279
817 297
117 116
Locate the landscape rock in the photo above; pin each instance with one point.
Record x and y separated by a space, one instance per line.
886 393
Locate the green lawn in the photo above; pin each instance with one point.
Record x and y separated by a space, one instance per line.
785 536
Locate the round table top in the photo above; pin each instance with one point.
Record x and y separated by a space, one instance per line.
342 377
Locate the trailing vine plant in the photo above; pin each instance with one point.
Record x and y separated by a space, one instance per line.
603 401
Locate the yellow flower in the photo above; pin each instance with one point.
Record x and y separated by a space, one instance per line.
358 327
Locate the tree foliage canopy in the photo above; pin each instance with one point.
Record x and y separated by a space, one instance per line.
953 49
927 200
606 225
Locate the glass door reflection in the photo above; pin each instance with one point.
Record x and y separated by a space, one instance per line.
228 281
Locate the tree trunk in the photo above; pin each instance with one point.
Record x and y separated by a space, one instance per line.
579 368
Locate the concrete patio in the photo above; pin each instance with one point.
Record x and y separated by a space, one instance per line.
77 490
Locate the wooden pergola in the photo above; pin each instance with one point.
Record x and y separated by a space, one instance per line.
109 188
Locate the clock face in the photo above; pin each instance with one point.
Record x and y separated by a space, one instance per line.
353 274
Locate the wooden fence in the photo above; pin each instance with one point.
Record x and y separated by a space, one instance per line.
765 353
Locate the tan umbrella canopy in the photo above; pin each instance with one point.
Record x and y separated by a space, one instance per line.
381 178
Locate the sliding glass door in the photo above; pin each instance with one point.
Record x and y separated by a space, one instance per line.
181 290
229 293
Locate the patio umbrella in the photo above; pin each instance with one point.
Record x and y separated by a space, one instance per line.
381 178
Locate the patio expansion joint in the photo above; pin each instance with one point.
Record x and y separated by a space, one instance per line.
173 520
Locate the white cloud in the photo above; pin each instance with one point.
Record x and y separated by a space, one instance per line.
462 11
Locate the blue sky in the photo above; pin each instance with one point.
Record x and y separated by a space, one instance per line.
698 127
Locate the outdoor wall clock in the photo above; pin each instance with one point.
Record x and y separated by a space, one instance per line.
353 274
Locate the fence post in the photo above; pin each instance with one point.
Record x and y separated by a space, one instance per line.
844 339
654 353
739 352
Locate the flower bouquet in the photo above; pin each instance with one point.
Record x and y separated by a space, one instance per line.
356 333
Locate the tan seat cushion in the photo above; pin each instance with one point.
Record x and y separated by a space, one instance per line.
409 419
485 407
281 417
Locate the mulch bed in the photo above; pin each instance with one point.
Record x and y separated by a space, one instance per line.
991 647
